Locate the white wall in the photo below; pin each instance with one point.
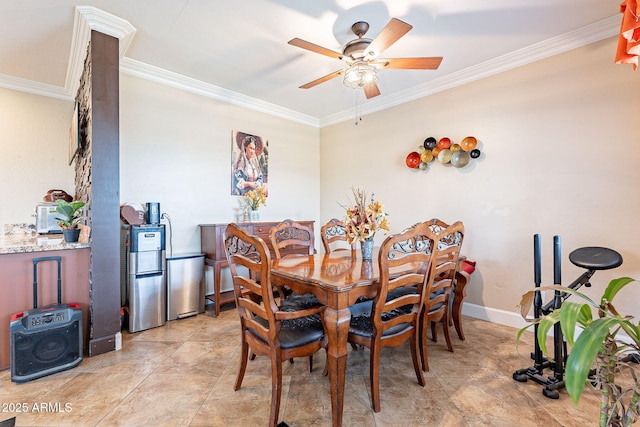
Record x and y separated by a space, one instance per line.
34 153
560 156
175 148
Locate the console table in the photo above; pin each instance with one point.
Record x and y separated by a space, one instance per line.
211 243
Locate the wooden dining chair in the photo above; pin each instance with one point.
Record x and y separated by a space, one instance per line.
438 302
405 261
291 237
334 236
287 238
280 333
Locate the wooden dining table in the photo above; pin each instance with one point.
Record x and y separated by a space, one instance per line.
338 279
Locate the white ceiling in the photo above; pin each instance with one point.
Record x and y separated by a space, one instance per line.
237 51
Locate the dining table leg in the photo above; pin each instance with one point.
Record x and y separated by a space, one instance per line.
337 329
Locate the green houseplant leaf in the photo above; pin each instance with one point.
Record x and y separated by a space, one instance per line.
583 354
596 349
614 287
69 213
571 315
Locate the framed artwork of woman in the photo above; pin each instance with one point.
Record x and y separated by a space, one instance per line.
249 163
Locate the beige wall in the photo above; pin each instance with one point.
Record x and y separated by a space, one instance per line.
34 152
175 148
561 151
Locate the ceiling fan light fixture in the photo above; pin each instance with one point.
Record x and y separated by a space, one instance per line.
360 74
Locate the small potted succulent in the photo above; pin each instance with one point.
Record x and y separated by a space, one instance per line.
69 217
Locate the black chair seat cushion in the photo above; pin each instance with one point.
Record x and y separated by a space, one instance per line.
301 302
362 302
361 324
298 332
403 290
436 307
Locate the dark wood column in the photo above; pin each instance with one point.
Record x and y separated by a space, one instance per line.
105 193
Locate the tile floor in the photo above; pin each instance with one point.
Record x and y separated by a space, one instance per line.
182 374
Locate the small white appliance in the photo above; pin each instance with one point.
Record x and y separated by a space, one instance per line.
46 222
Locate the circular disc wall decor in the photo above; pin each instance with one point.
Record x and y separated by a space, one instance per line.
446 151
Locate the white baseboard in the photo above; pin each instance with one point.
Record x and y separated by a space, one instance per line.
119 341
494 315
514 319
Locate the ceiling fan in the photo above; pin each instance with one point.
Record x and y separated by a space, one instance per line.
362 57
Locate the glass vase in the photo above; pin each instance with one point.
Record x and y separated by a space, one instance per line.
254 216
366 246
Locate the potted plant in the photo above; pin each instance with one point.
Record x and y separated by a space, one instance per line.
599 356
69 217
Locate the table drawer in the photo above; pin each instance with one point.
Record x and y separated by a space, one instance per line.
262 231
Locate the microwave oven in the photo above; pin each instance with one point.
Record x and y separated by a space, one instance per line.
46 222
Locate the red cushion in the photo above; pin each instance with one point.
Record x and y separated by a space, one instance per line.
469 266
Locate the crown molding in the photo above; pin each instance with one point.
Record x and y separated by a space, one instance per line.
89 18
597 31
36 88
86 19
188 84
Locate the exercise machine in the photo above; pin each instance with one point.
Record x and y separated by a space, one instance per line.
591 258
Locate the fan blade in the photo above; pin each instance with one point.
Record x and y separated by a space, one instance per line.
390 34
314 48
371 91
322 79
429 63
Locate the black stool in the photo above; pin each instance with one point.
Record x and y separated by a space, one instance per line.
591 258
595 258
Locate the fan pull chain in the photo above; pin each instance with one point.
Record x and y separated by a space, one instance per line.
358 119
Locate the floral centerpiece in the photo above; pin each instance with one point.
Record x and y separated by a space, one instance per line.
256 198
363 219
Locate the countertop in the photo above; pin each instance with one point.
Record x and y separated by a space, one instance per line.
37 243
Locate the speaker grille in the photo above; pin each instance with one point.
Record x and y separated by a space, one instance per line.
46 349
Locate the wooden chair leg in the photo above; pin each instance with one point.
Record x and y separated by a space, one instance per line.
422 339
415 356
244 356
374 369
309 363
276 390
425 358
434 332
445 330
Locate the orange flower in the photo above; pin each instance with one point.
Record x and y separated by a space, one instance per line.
364 219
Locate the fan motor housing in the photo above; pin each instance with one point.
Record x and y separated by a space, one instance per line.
355 48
